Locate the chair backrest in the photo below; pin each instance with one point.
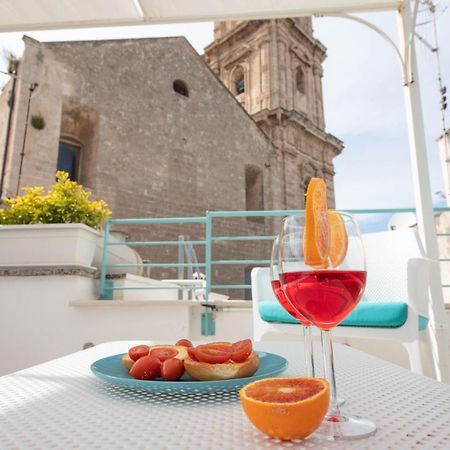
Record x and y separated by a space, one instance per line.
387 256
261 287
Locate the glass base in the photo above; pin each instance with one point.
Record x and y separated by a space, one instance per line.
337 427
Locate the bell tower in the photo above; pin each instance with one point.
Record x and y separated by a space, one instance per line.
274 69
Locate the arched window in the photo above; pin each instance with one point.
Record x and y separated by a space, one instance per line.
69 154
180 87
254 189
239 81
300 81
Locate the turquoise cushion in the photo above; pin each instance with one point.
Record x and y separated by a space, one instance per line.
366 314
377 315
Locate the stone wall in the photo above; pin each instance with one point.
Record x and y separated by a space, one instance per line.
145 149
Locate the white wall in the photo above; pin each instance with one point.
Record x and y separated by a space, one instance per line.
38 323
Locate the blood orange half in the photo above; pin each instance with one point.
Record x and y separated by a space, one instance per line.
286 408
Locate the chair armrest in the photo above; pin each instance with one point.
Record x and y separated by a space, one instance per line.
418 273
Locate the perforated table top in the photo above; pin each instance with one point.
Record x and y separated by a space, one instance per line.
62 405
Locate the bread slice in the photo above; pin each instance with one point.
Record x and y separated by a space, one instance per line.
201 371
182 351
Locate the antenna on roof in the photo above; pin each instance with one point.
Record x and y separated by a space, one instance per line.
431 7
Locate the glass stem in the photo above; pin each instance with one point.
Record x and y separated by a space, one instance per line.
328 367
309 352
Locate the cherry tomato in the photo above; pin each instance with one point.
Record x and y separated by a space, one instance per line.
138 352
146 368
211 355
172 369
241 350
184 343
191 353
163 353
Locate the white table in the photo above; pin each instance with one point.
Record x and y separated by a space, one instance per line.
62 405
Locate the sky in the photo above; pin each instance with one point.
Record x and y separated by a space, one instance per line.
363 98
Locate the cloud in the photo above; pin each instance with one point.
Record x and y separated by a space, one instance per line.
365 107
363 81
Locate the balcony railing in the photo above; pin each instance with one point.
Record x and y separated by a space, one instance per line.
210 238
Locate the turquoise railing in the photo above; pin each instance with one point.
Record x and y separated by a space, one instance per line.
210 238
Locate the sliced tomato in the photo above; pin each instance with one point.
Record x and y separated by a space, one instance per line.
241 350
163 353
191 353
172 369
211 355
224 346
184 343
138 352
146 368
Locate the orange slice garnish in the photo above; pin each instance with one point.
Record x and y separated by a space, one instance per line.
316 241
286 408
338 238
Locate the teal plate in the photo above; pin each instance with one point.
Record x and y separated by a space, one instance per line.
112 370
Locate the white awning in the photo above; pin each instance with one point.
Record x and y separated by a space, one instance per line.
26 15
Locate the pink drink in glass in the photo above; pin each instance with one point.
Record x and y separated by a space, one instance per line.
286 304
324 297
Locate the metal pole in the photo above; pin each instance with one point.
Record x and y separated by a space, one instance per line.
106 231
180 261
208 255
32 87
423 196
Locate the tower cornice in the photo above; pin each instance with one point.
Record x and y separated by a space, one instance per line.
281 116
230 36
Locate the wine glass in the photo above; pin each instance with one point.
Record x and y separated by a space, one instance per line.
326 296
286 304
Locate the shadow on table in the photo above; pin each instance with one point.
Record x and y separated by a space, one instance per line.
182 398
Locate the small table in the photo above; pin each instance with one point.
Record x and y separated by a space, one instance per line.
192 286
62 405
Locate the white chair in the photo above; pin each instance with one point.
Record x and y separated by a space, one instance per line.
396 272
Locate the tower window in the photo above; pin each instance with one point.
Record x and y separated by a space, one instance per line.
254 189
180 87
68 159
239 81
300 80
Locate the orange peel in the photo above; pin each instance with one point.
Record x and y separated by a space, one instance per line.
338 238
316 239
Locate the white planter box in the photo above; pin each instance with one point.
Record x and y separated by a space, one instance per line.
66 244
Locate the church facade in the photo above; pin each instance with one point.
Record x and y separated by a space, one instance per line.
274 68
155 130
